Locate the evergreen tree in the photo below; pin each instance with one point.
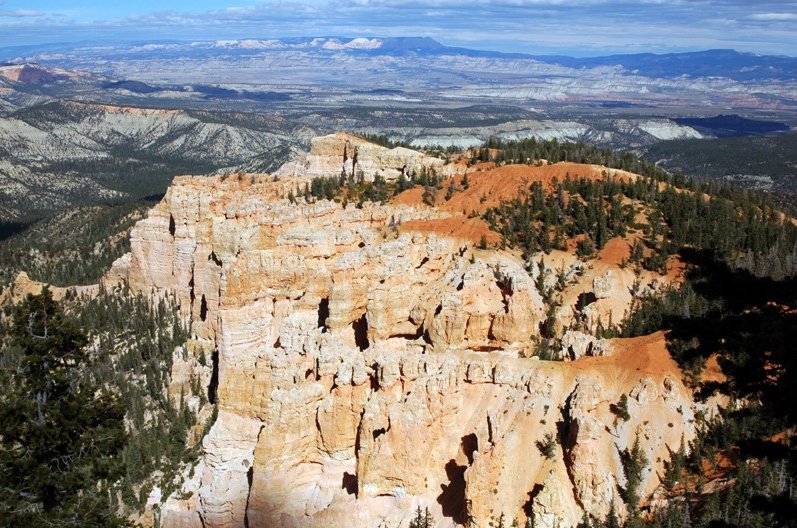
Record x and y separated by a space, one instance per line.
611 519
621 408
634 463
60 429
547 446
422 519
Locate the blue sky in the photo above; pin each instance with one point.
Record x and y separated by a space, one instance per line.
579 27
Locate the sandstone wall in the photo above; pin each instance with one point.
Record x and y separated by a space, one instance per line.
360 373
351 155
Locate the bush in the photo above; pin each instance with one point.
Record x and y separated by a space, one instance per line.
547 446
585 248
620 409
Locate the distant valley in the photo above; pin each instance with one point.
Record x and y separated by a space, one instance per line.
326 72
90 123
64 153
757 162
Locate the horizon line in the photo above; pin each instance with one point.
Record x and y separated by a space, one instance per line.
178 39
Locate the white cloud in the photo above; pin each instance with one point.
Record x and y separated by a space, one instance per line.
774 17
19 13
535 26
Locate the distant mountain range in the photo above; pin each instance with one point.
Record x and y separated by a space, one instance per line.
322 73
725 63
87 123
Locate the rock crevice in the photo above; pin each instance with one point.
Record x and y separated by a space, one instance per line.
360 373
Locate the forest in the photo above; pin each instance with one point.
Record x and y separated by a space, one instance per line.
754 162
110 356
748 322
738 302
76 246
95 371
736 225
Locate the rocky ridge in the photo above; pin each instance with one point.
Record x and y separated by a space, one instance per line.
62 153
342 153
362 369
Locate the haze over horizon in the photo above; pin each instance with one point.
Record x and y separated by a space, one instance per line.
577 28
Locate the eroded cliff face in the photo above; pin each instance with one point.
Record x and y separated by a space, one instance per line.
361 370
338 153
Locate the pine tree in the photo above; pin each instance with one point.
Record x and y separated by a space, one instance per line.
621 408
61 430
611 519
634 463
675 467
539 282
547 446
422 519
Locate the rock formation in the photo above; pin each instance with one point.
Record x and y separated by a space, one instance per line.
576 345
23 286
342 153
361 370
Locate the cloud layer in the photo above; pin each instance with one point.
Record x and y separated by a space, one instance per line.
580 27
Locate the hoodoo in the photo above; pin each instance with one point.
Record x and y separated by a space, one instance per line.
368 363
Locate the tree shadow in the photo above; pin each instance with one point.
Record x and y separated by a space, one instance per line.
452 498
750 323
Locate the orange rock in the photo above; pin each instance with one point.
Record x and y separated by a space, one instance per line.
372 360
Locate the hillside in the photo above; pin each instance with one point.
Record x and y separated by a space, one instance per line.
64 153
534 332
365 329
752 162
75 246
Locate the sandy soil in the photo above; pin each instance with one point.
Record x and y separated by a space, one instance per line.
647 354
488 187
470 229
